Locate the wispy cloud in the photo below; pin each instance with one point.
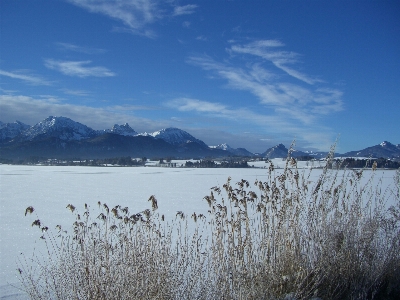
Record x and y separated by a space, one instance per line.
184 10
136 15
5 91
22 75
189 104
32 110
201 38
219 110
306 104
78 68
296 104
80 93
186 24
275 124
76 48
267 49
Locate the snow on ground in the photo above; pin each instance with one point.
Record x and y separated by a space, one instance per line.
49 189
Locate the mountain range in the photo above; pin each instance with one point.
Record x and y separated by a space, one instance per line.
61 137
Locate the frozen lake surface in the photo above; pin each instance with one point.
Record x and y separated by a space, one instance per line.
50 189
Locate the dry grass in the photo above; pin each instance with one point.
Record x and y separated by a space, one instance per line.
286 238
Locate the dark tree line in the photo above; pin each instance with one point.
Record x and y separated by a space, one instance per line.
351 163
213 164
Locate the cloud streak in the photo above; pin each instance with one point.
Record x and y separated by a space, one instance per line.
266 49
184 10
78 68
30 79
136 15
274 123
223 111
80 49
295 102
31 110
301 103
80 93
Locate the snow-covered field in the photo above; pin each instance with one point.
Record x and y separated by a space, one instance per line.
50 189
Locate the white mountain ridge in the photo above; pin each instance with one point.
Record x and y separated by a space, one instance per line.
67 129
11 130
61 127
176 136
125 130
223 146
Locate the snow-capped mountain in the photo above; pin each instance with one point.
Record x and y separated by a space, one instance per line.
277 151
223 146
60 127
8 131
125 130
237 151
63 137
176 136
384 149
280 151
60 137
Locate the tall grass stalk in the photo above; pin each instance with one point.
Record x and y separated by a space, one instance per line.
285 238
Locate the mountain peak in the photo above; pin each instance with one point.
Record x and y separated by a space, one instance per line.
8 131
223 146
123 130
176 136
276 152
280 146
237 151
61 127
386 144
384 149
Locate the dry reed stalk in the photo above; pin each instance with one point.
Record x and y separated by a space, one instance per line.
288 238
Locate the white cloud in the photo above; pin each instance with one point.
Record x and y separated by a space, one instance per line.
136 15
186 24
188 104
75 48
276 124
223 111
184 10
5 91
201 38
21 75
133 13
306 103
81 93
291 105
78 68
266 49
32 110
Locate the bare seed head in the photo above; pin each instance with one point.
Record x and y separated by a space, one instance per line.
71 207
106 208
36 223
153 202
194 216
29 209
181 215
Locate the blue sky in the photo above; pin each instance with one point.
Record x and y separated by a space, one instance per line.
248 73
